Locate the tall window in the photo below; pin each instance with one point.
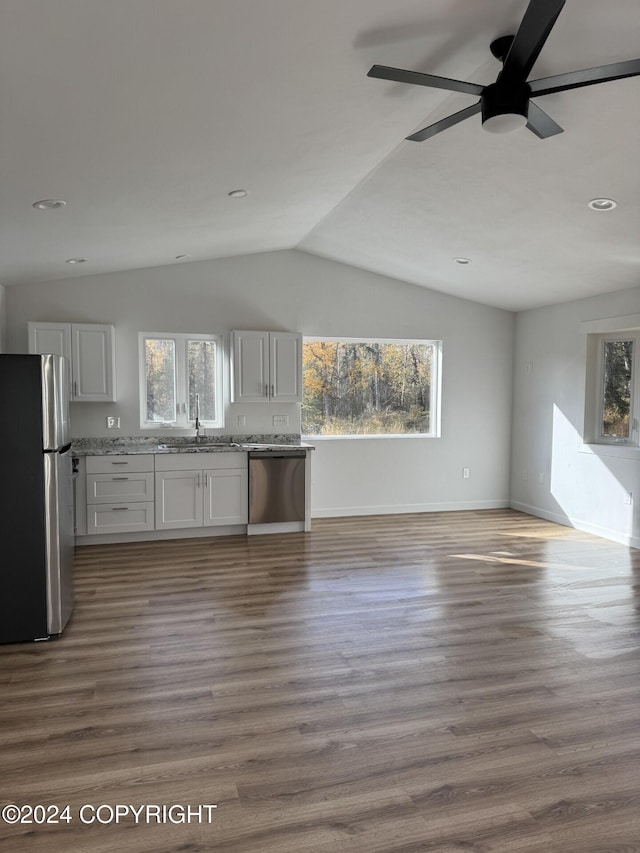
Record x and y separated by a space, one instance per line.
181 379
370 387
617 398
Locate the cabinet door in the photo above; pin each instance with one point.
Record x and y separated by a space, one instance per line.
178 499
50 337
93 363
250 366
226 497
286 367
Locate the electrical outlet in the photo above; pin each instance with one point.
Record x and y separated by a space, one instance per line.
628 498
241 420
528 368
281 420
465 473
113 423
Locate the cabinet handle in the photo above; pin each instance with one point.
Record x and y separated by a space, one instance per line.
119 478
272 394
75 389
198 483
266 390
119 463
119 508
208 475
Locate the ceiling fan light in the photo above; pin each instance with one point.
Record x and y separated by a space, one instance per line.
504 110
504 123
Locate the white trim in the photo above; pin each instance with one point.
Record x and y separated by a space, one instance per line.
599 438
157 535
402 509
403 435
626 323
577 524
181 343
435 395
611 449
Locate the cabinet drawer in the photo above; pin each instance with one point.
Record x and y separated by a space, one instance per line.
218 460
119 464
126 487
120 518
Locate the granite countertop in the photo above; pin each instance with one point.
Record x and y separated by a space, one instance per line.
162 444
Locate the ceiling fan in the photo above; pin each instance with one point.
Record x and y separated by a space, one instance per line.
506 105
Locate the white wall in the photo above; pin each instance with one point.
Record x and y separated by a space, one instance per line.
584 487
299 292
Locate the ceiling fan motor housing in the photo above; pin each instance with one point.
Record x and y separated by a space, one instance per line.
504 108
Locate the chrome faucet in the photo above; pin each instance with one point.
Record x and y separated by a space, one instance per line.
197 423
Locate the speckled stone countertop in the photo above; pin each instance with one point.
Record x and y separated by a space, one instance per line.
162 444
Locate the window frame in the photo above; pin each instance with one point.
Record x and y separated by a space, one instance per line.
181 380
435 391
598 437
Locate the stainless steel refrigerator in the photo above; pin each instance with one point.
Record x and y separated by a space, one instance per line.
36 498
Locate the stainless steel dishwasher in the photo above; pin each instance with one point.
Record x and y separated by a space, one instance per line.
276 486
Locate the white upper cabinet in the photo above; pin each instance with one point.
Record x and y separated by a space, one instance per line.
90 351
267 367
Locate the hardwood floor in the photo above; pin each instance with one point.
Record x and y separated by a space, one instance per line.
455 682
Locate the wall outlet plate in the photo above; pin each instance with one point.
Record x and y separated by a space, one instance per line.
113 423
241 420
281 420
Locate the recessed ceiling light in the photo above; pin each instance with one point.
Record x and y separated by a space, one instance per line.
76 260
49 204
462 260
238 194
602 204
182 257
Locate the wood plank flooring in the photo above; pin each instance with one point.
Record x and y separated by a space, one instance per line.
437 683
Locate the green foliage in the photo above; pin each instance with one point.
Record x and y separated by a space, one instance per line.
366 388
618 360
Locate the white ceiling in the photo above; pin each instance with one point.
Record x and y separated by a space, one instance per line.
144 114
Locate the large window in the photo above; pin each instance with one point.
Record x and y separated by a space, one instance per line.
181 379
355 387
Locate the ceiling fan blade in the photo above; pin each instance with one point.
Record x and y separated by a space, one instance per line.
527 43
540 123
400 76
586 77
445 123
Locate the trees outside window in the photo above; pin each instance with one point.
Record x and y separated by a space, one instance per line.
370 387
617 389
180 378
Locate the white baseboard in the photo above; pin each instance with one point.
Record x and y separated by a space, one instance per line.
396 509
578 524
160 535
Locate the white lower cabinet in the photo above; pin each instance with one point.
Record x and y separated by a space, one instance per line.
201 490
119 493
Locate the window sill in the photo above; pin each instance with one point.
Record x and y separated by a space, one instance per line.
617 451
411 435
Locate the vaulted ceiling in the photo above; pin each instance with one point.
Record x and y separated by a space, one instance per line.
144 114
